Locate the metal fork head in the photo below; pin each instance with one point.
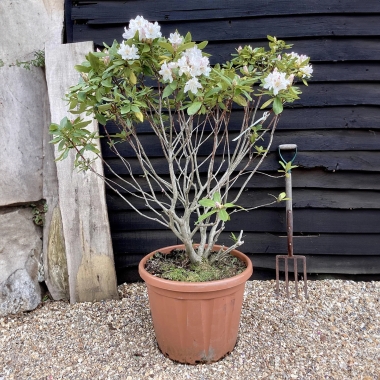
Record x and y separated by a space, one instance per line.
286 261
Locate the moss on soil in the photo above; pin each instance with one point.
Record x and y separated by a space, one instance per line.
176 266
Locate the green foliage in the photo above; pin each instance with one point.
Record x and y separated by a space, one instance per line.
216 208
72 134
39 210
287 167
178 269
115 89
38 61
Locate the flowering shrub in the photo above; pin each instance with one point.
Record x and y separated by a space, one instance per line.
168 84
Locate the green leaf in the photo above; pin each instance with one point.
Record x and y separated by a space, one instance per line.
223 215
205 216
139 116
132 78
194 108
135 108
217 198
81 124
213 91
206 202
228 205
282 197
202 45
98 95
167 46
240 100
188 45
101 119
277 105
94 61
81 96
146 48
125 109
82 69
107 83
92 148
188 37
53 127
104 107
167 91
266 104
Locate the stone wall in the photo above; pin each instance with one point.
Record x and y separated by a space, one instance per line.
28 173
26 25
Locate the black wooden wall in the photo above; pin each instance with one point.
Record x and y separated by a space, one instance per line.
336 125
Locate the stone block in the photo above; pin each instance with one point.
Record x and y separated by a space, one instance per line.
20 261
24 107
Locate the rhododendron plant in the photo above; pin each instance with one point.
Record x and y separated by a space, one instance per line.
168 85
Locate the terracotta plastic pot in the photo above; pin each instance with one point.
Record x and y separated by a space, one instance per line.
196 322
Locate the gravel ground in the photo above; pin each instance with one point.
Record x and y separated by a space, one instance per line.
333 335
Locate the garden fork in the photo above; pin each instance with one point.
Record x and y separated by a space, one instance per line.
289 228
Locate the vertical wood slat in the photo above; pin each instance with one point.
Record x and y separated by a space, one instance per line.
81 194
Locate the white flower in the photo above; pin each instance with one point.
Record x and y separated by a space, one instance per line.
183 66
146 29
299 58
175 39
152 31
306 71
193 63
173 65
276 81
128 52
129 33
192 85
166 72
193 53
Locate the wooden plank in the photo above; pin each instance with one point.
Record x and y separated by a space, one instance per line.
302 198
142 242
342 94
237 29
332 118
331 161
346 71
302 178
322 140
108 12
319 49
306 221
81 195
340 117
326 264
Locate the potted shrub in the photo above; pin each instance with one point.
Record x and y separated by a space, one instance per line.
168 85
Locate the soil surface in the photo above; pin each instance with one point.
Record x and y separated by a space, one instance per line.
176 266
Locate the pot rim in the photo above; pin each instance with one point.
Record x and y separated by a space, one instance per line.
208 286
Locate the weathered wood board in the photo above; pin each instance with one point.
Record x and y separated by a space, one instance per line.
82 204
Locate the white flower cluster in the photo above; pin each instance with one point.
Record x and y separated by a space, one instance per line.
300 59
192 64
146 29
175 39
277 81
128 52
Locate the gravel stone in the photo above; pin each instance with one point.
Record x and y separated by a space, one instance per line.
335 334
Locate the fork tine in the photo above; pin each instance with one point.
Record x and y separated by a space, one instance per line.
295 274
